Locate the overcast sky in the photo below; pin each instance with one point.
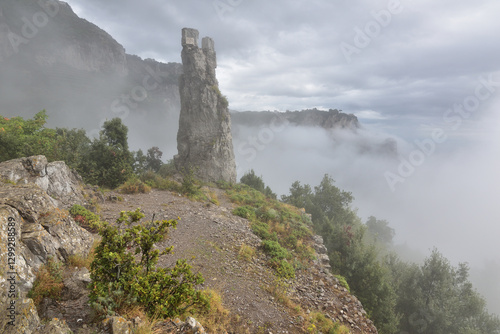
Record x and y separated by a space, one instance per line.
398 65
418 70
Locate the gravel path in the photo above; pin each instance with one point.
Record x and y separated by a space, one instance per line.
209 237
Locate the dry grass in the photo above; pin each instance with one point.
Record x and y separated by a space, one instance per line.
48 282
278 291
134 186
212 197
217 318
318 323
246 253
81 261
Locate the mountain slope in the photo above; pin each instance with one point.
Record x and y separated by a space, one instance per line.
50 58
211 238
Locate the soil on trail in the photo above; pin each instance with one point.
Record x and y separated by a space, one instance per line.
209 237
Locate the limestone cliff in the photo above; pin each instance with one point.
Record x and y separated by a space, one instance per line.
52 59
204 140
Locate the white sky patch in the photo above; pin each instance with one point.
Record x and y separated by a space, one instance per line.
369 115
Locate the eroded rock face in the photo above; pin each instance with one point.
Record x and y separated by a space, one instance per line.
62 185
204 140
32 229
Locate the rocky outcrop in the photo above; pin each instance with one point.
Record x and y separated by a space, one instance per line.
56 326
204 140
33 229
63 185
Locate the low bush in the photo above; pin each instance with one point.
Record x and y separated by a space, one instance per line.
285 269
190 186
246 253
246 212
262 230
319 323
274 250
85 218
124 271
343 282
48 282
134 186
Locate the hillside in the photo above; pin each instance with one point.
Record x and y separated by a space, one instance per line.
212 237
218 244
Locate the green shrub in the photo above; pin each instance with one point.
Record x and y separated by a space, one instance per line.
85 218
190 186
285 269
246 212
343 282
121 280
274 250
262 230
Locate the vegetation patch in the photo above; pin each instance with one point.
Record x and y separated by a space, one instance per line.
246 212
48 282
134 186
246 253
283 228
319 323
85 218
121 279
343 282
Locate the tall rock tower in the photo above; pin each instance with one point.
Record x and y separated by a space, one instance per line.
204 140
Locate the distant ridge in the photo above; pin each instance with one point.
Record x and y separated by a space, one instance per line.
327 119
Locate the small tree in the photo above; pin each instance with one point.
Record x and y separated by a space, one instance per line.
153 159
256 182
120 281
109 162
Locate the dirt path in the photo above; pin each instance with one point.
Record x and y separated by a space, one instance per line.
209 237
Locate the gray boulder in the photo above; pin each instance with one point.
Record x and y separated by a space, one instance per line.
64 186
